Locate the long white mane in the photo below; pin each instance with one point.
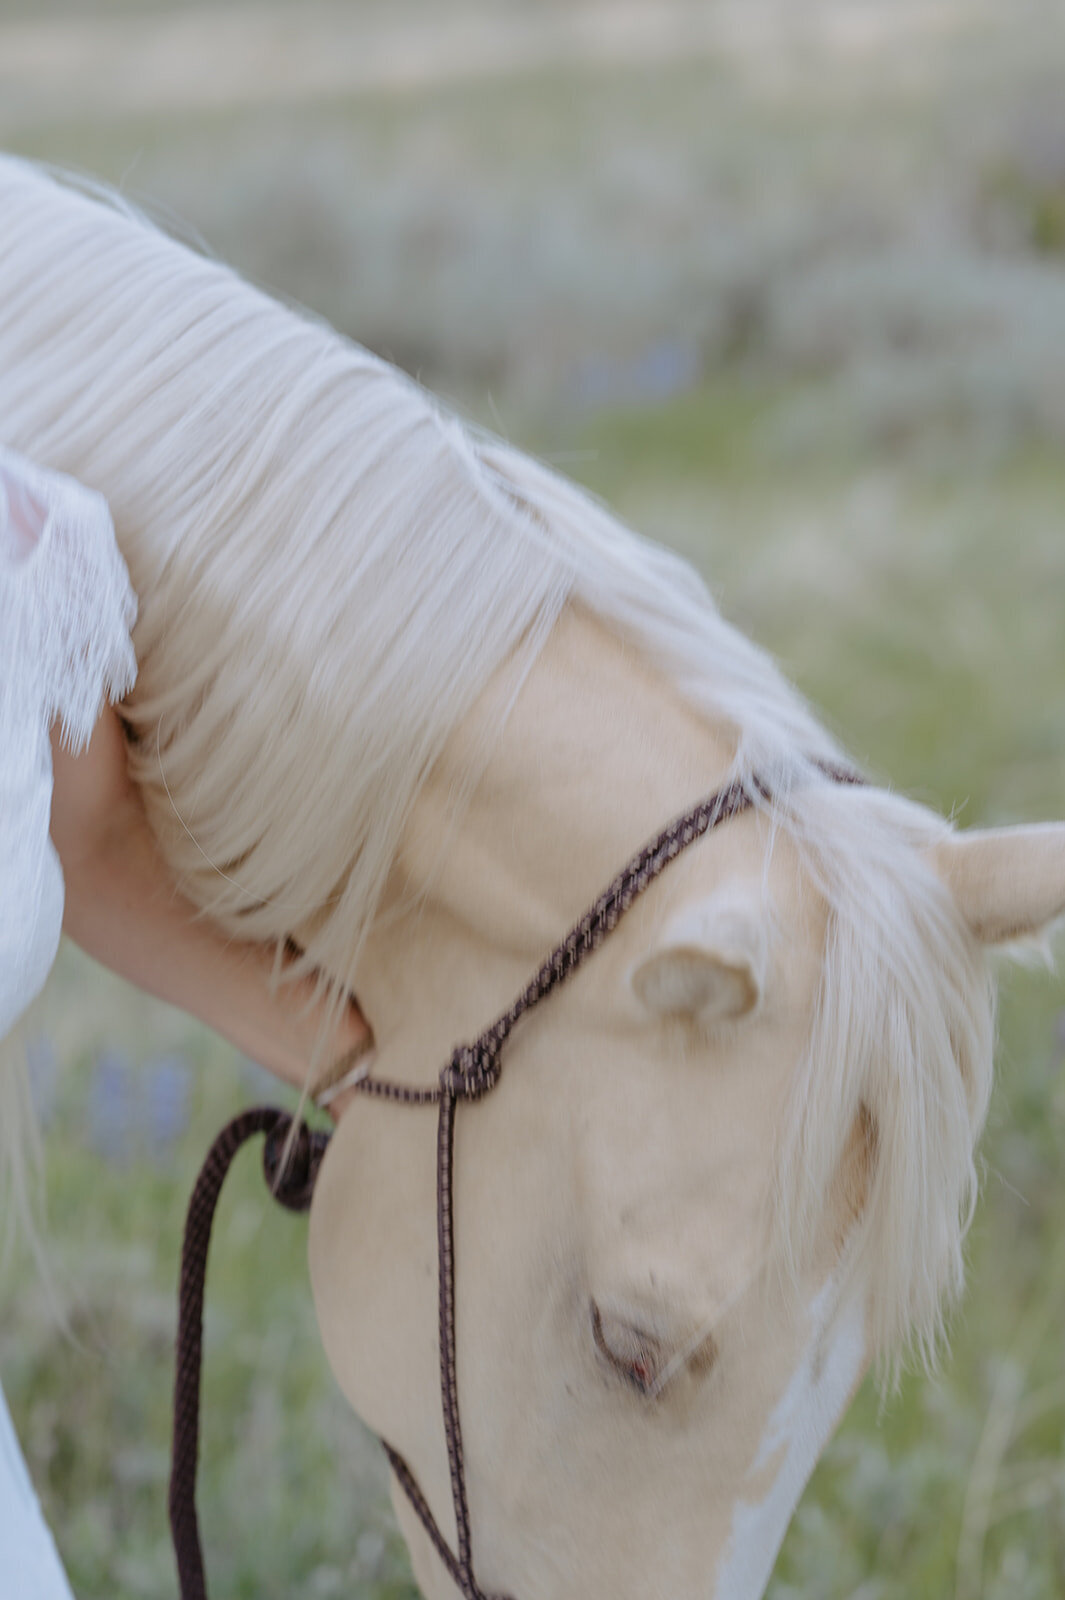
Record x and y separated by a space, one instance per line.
331 568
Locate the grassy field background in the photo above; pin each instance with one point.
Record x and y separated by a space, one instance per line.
787 286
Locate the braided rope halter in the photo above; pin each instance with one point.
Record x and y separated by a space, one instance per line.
472 1072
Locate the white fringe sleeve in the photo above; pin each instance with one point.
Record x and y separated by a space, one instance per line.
70 603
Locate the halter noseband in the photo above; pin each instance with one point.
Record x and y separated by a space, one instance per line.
471 1073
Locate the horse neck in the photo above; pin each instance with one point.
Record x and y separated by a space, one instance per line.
598 752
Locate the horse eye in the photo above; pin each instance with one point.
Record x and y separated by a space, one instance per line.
635 1356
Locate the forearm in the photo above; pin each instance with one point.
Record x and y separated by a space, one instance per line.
122 908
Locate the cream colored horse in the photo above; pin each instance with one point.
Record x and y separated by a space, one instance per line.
410 699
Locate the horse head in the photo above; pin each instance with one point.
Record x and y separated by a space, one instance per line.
727 1166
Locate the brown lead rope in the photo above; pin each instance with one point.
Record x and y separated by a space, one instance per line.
471 1073
293 1186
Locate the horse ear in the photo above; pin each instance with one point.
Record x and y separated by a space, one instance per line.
710 962
1008 883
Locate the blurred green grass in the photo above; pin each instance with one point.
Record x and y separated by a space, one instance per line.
853 285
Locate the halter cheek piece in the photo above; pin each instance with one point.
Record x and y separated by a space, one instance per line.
472 1072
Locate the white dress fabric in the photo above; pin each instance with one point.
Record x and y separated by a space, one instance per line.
66 610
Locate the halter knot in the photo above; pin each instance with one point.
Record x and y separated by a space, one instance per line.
473 1069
